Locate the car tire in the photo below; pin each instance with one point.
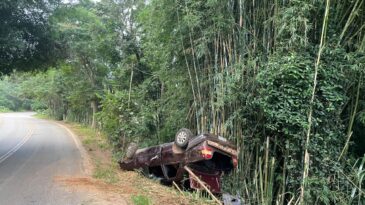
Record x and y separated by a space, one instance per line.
131 150
182 137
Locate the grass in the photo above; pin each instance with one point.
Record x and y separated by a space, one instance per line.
91 136
148 187
4 109
94 140
42 116
140 200
106 173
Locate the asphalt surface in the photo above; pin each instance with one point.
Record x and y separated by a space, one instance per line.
32 153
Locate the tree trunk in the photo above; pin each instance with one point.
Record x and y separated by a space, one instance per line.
94 107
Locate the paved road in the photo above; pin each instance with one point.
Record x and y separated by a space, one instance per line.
32 153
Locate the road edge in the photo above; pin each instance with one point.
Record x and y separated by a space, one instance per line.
87 166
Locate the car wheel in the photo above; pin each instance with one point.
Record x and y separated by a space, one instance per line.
131 150
182 137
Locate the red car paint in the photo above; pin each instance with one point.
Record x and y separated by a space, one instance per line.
207 155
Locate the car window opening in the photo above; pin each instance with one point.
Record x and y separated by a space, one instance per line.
156 171
170 170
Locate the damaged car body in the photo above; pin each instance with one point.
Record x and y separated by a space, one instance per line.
207 155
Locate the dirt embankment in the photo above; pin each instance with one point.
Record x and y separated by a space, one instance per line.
104 183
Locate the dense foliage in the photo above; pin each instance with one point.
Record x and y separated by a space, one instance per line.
284 80
25 39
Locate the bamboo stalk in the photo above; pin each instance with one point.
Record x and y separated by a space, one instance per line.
349 130
350 19
306 152
266 163
196 74
187 65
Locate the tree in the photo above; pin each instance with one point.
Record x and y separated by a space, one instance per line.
86 38
25 37
266 75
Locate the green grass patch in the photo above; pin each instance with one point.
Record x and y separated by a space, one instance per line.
4 109
140 200
41 115
106 173
92 136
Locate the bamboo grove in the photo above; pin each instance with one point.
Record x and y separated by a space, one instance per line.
283 79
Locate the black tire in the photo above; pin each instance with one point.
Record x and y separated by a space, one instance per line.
182 137
131 150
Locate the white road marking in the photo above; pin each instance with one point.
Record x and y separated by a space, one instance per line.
73 136
86 162
17 147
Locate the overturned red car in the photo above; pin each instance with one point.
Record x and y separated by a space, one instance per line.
208 156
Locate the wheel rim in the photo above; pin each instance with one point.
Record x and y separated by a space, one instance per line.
181 137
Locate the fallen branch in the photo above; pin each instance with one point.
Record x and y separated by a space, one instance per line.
177 187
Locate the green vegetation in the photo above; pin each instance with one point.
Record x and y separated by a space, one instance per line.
284 80
4 109
140 200
107 174
25 37
91 136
